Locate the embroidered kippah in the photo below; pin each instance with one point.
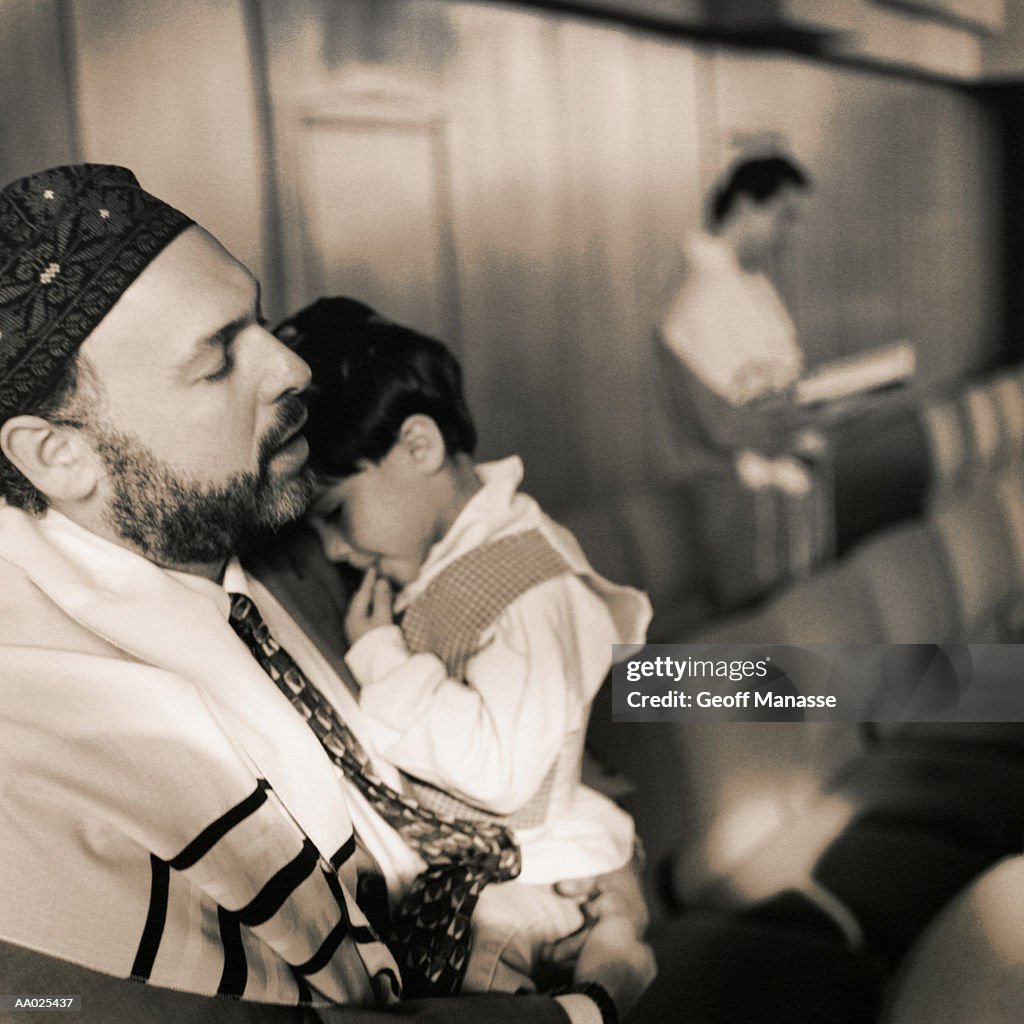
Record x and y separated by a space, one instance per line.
72 239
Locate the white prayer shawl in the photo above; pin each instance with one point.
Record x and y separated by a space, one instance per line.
165 814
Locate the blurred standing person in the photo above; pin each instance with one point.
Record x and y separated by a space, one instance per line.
733 358
727 326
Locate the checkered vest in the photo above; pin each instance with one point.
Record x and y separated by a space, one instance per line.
449 620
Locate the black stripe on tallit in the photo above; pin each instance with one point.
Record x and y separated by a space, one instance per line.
344 852
386 976
359 933
322 957
213 833
269 900
156 919
236 968
305 992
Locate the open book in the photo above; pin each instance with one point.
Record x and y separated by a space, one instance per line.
857 374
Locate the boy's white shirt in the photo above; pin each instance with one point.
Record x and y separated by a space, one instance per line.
493 741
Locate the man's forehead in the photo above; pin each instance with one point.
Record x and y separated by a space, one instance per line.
191 290
194 267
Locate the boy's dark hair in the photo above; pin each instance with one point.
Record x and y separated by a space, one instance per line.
758 179
369 376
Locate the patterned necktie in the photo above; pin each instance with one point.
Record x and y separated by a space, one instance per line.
431 929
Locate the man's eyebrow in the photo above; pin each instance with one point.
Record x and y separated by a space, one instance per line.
228 331
223 336
219 339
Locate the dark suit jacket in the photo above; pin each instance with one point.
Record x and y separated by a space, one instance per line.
314 591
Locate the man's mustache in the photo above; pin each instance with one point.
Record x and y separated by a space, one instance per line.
291 419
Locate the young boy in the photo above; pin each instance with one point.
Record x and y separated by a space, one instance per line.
481 694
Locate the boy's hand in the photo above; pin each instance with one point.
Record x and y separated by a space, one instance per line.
618 892
370 606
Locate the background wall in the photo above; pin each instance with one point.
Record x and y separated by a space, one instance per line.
518 181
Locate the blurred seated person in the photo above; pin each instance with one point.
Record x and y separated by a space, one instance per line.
736 354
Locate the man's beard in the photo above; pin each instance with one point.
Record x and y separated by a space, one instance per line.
174 521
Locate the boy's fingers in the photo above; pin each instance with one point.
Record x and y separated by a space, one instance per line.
575 887
566 949
364 594
382 593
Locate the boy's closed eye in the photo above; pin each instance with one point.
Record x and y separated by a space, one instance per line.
326 520
330 522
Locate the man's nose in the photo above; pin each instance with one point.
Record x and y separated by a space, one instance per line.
284 371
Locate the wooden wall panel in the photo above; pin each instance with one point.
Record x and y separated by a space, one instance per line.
605 159
626 219
949 257
569 148
971 249
515 265
374 195
676 135
362 157
168 90
572 146
37 118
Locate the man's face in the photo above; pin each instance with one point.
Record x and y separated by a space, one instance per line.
198 410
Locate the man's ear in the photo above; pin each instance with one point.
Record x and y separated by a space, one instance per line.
56 460
423 443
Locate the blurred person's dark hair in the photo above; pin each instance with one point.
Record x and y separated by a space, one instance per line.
369 376
757 179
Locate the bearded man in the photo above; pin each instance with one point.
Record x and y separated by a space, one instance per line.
167 816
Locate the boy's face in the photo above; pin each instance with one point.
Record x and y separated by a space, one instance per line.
382 516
